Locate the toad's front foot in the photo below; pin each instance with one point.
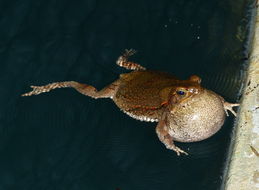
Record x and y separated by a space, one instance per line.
229 107
176 149
165 138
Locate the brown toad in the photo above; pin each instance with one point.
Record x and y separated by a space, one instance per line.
185 111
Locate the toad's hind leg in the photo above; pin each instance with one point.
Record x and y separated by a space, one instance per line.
107 92
123 61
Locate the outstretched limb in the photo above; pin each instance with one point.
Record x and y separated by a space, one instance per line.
164 137
229 107
85 89
123 61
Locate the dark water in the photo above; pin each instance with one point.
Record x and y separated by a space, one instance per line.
65 141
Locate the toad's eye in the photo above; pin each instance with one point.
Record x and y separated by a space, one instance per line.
180 92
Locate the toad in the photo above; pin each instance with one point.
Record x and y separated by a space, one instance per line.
184 110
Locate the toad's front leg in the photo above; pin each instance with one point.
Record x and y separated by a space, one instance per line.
164 137
229 107
88 90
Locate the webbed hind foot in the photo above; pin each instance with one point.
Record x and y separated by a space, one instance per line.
123 61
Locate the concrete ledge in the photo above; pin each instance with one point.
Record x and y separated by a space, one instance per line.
243 172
